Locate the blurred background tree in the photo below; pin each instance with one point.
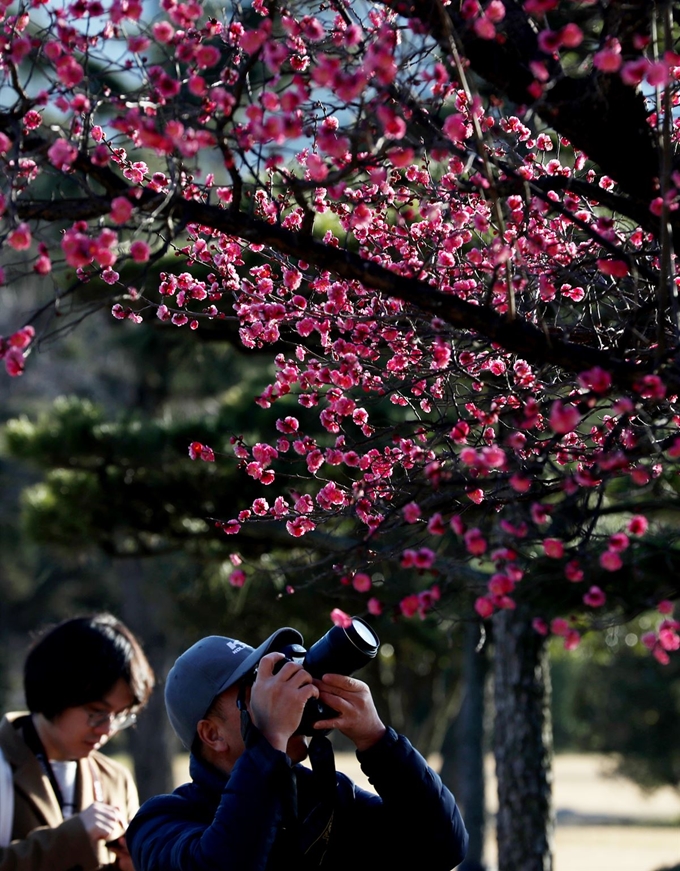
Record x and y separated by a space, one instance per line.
611 697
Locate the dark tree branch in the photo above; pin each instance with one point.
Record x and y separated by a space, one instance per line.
519 336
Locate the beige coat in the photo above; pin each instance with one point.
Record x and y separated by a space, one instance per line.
41 839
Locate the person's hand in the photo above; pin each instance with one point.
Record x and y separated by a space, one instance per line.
102 822
277 700
357 717
123 858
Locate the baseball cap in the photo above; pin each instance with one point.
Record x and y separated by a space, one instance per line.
207 669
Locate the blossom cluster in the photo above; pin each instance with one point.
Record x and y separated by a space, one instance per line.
13 350
452 300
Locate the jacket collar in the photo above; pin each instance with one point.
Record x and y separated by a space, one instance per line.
31 780
29 777
206 776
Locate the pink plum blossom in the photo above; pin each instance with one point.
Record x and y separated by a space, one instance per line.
299 526
610 560
638 525
69 71
231 527
615 268
22 338
237 578
361 582
411 512
20 238
476 495
651 387
287 425
475 542
436 525
564 418
618 541
484 607
121 210
340 618
553 548
559 626
455 127
140 251
572 639
669 639
608 59
595 598
457 524
596 379
14 362
198 451
573 571
540 626
62 154
409 605
374 606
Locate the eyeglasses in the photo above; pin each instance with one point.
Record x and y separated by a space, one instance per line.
116 722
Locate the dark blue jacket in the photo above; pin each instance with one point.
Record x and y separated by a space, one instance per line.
269 814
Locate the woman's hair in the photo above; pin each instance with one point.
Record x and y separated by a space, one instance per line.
80 660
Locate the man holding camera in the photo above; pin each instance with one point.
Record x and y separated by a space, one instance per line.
250 806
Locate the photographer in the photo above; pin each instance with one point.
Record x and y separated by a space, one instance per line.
61 800
251 807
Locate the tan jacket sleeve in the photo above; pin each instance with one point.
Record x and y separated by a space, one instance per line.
51 849
132 795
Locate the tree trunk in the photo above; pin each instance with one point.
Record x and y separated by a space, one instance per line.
522 744
152 742
464 745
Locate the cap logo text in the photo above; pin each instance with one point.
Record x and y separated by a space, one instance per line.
235 646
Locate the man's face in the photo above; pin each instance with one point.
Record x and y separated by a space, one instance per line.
229 715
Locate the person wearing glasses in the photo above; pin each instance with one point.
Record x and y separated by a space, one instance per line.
63 804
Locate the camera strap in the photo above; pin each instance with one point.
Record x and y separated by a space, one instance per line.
322 759
246 722
35 745
316 828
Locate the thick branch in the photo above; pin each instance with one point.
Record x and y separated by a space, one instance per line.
519 336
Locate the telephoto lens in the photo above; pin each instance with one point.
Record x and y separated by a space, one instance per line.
342 650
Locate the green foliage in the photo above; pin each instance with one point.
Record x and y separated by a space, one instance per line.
126 484
127 487
612 697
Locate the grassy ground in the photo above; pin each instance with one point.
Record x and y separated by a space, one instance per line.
606 823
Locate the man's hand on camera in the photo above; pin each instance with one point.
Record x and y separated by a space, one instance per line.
277 700
357 717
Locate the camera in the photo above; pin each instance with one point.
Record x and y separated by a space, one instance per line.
342 650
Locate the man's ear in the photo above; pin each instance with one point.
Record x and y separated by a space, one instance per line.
211 735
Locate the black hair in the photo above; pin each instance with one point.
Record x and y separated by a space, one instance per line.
80 660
